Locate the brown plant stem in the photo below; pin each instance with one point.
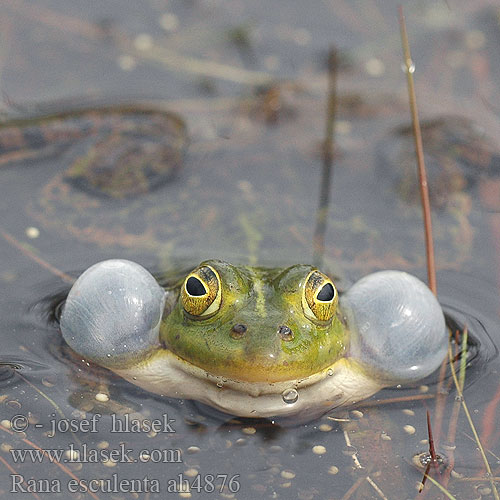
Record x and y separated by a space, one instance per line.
35 258
424 190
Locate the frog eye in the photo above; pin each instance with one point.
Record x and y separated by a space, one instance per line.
201 292
320 297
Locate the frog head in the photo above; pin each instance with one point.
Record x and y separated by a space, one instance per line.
255 324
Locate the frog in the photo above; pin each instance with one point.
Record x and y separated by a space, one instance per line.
256 341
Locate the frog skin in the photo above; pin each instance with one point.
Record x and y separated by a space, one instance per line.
252 341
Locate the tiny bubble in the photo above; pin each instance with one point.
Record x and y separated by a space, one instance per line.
290 396
408 69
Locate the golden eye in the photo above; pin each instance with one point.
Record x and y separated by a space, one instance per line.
201 292
320 297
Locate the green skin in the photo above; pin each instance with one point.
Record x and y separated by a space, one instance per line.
263 300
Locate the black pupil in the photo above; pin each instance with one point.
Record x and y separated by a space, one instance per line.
327 293
195 287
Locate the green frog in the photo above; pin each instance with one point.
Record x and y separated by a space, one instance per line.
256 341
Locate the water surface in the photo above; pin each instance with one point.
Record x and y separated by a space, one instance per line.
249 80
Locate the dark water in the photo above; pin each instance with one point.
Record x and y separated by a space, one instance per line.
249 80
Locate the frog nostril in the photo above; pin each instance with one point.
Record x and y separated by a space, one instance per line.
238 331
285 333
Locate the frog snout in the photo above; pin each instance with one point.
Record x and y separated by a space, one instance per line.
239 330
261 344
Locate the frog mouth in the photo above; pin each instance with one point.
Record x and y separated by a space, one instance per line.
342 384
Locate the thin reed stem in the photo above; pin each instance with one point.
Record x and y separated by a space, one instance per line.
417 134
328 154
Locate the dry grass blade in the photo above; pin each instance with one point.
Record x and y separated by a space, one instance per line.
400 399
357 465
442 488
52 461
424 190
35 258
459 384
350 492
50 400
452 428
15 473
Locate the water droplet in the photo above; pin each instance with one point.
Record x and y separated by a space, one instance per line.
330 372
108 355
290 396
408 69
